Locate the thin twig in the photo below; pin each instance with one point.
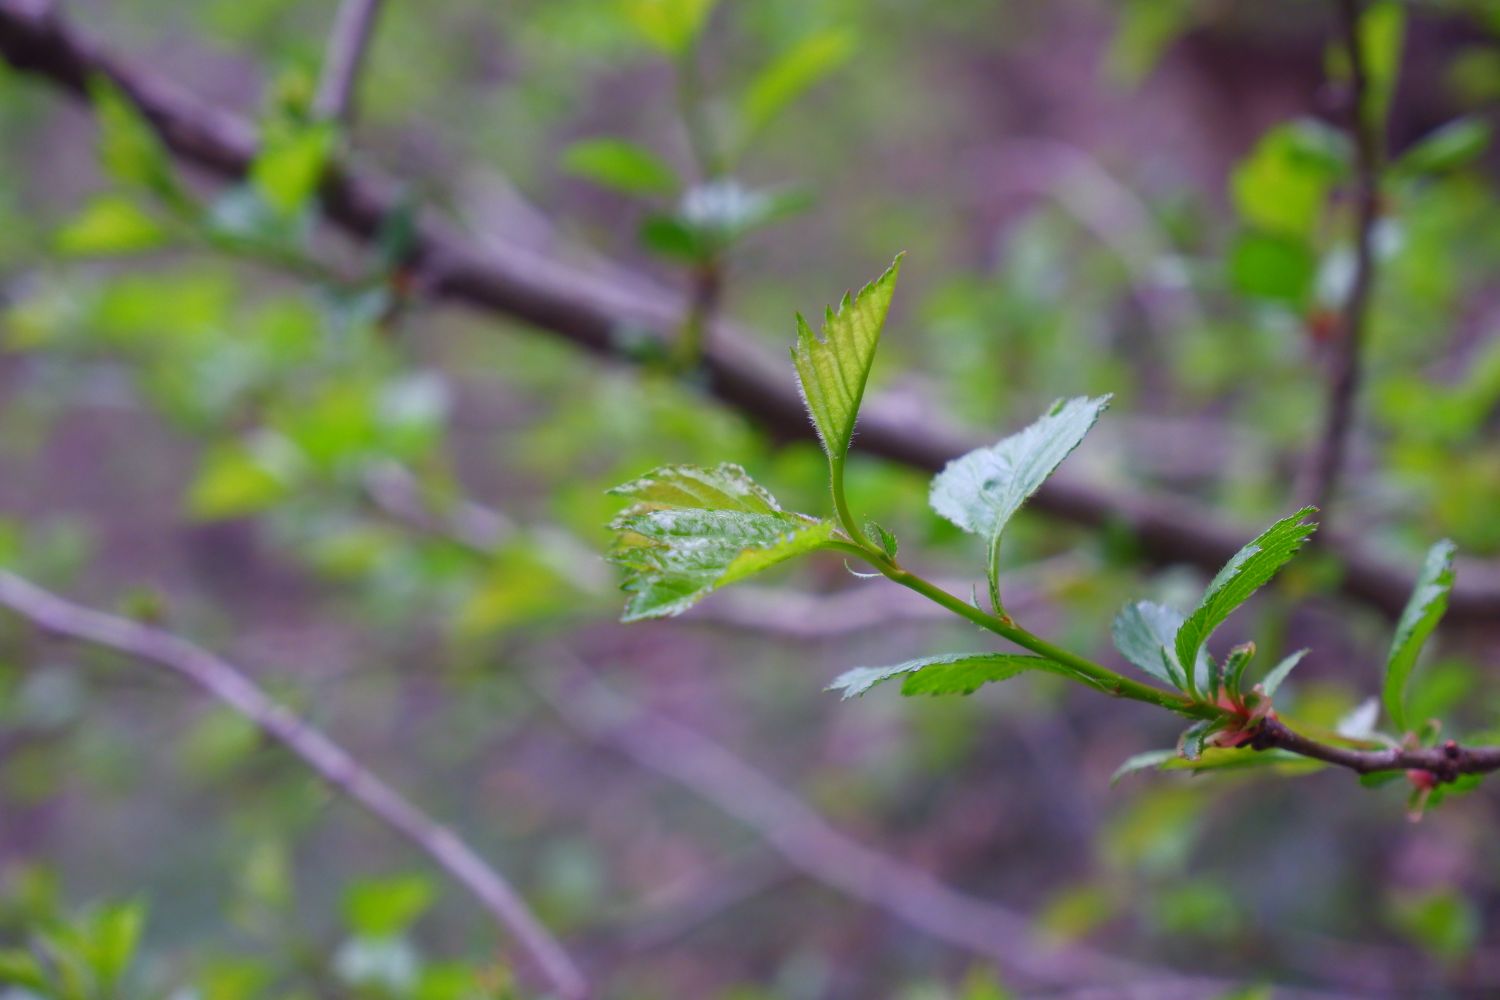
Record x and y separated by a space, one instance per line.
348 43
335 765
608 316
1327 460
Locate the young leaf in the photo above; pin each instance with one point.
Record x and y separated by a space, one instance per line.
291 164
880 537
1359 722
1429 599
1242 576
980 491
110 224
792 73
129 148
1190 743
623 166
670 25
1143 633
693 530
953 673
1279 672
1148 761
1234 667
1447 148
833 369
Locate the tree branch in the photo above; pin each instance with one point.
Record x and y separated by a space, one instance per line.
1327 460
1444 763
607 318
353 27
226 683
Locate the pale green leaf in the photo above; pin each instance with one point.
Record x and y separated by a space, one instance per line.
1279 673
952 673
1282 186
791 74
620 165
1242 576
1423 611
234 481
1150 760
384 907
670 25
1144 633
290 165
129 148
833 369
693 530
1455 144
982 490
110 224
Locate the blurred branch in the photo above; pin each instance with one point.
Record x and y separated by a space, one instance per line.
609 318
349 42
808 843
226 683
1325 464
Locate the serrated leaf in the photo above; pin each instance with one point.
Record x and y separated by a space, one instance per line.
1424 609
1234 667
620 165
1190 742
1148 761
1279 673
833 369
1249 570
1144 633
882 538
693 530
791 74
952 673
982 490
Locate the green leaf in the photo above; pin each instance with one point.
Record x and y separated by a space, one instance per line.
882 539
235 480
1382 28
1275 267
620 165
1190 742
791 74
1234 668
981 491
1281 187
952 673
1279 673
110 224
1144 633
670 237
129 148
114 933
1144 31
833 369
1454 145
1424 609
291 164
1148 761
1242 576
670 25
693 530
21 968
385 907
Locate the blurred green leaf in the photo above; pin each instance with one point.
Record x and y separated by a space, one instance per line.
1282 186
129 148
620 165
670 25
232 481
1456 144
1423 611
110 224
1143 32
791 74
1442 922
291 163
1269 266
385 907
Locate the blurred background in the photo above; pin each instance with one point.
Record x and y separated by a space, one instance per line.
222 414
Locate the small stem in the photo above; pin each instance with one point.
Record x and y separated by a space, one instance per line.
1097 676
841 508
